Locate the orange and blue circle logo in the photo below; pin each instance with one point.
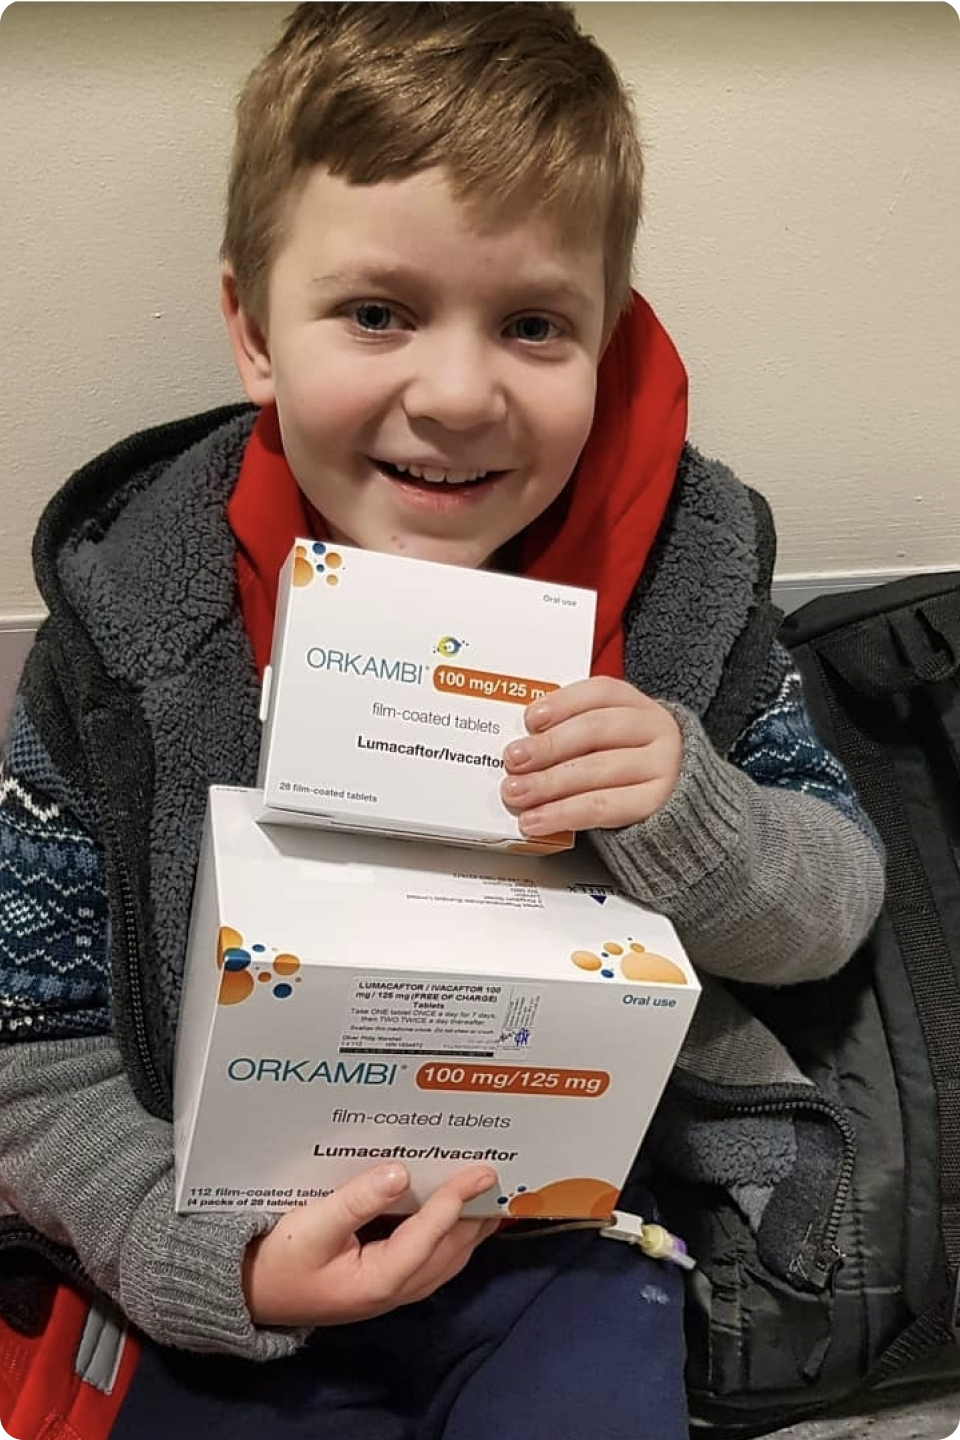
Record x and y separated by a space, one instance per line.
316 560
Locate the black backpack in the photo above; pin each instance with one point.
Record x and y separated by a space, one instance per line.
881 1041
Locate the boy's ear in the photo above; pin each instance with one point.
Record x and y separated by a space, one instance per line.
249 345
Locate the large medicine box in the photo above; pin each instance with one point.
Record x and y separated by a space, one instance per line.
350 999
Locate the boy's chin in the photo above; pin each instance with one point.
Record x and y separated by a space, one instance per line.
468 554
478 551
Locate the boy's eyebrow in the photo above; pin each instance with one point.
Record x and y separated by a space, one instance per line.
364 275
541 289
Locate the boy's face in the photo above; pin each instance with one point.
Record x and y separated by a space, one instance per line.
409 352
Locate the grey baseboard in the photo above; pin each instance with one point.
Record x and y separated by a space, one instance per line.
792 591
16 637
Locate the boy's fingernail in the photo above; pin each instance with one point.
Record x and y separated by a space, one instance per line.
391 1179
518 753
537 716
516 787
484 1181
532 823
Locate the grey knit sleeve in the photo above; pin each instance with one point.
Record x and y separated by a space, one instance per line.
80 1159
86 1166
764 862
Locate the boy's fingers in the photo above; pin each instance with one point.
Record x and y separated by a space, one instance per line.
453 1253
597 809
413 1244
596 693
621 727
606 770
363 1199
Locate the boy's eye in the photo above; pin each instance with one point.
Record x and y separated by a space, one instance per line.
373 315
535 328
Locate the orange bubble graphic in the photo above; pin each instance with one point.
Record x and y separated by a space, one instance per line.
300 552
265 977
637 948
332 560
286 964
652 967
235 986
612 948
333 580
582 1198
586 960
228 939
302 571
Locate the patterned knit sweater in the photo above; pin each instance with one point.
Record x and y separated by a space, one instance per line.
141 692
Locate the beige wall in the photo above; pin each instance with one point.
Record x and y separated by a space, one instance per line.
803 228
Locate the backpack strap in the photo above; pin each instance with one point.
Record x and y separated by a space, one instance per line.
936 991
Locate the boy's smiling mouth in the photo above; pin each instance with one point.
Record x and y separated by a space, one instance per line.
435 476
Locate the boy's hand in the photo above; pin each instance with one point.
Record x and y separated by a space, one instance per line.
312 1269
599 755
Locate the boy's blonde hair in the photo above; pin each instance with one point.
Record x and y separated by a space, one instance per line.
524 111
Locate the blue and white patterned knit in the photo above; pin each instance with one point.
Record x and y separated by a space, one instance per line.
53 904
780 749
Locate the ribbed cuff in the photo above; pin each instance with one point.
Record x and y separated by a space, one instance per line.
670 860
182 1282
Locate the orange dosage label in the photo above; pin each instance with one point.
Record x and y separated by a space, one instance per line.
517 1079
485 685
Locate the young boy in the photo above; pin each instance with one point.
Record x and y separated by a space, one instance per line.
430 223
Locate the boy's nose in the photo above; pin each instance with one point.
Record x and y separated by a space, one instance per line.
456 386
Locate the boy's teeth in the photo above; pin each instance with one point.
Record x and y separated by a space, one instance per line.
436 477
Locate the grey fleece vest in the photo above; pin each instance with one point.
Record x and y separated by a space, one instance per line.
156 677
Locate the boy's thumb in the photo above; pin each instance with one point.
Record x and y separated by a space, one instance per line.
366 1196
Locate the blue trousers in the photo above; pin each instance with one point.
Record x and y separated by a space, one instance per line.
565 1337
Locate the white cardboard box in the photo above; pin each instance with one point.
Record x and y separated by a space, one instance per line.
350 999
395 685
